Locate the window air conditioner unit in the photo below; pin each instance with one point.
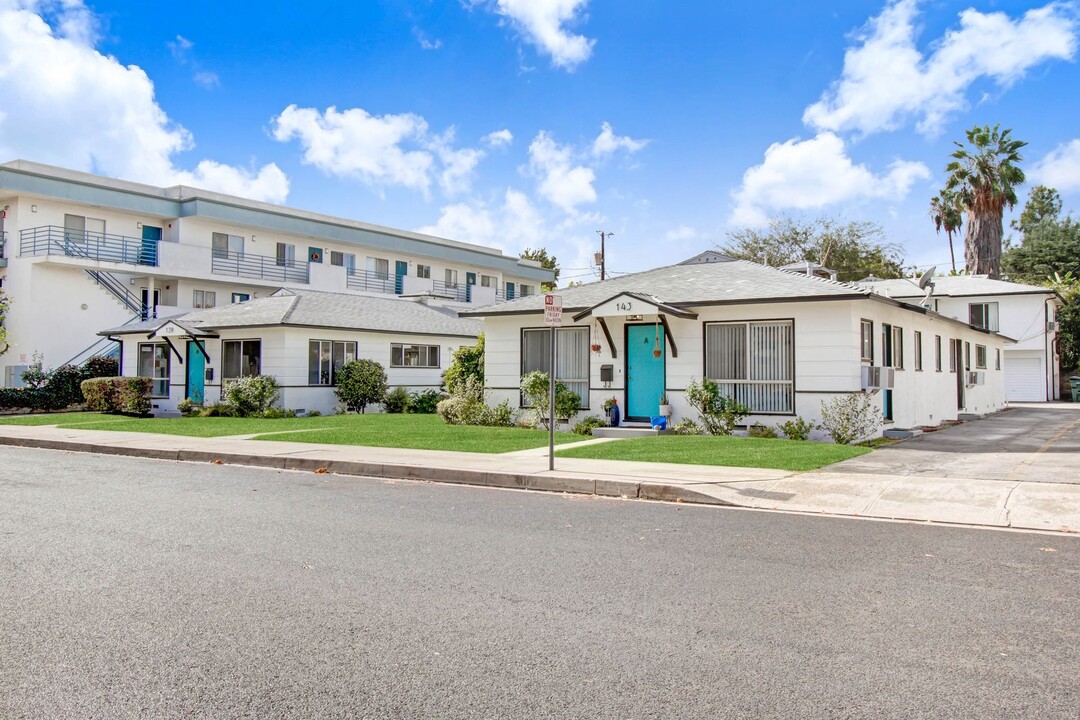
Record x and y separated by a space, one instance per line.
877 378
975 377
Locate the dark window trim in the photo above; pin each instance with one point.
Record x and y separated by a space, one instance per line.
863 358
332 383
415 367
587 401
794 356
240 340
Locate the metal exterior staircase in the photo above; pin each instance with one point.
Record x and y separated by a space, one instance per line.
119 291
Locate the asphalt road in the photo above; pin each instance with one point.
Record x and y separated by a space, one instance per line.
146 589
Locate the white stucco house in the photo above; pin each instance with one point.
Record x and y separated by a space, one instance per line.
1027 313
301 337
81 252
777 341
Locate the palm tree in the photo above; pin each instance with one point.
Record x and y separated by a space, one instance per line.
984 179
946 216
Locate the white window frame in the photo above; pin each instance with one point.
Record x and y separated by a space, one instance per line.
866 340
771 395
451 278
378 267
225 245
569 338
423 271
159 369
331 355
980 357
917 342
423 356
286 254
989 316
203 299
241 345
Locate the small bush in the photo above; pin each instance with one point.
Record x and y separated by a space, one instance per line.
851 417
273 413
465 362
585 427
124 395
757 430
220 410
100 366
361 383
466 407
686 426
425 401
797 429
396 401
186 406
502 415
312 413
35 376
719 413
536 388
251 395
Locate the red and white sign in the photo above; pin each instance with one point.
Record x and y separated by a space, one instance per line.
552 309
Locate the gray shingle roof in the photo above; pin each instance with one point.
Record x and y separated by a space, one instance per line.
954 286
695 284
312 308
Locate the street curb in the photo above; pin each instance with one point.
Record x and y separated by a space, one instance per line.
627 489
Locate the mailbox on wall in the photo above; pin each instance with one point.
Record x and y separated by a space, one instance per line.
607 373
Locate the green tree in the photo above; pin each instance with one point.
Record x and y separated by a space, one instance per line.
854 249
948 217
466 362
550 262
361 383
1044 203
984 178
1049 247
1068 318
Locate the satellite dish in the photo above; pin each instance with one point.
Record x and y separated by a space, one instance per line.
926 283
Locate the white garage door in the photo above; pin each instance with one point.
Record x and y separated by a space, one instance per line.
1024 379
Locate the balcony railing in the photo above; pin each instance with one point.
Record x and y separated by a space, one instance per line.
454 291
55 240
369 281
261 267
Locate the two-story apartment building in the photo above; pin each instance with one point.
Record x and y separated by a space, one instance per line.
81 253
1027 313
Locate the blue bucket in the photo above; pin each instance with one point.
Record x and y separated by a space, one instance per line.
658 423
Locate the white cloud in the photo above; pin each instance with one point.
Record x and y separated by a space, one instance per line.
498 138
1060 168
379 150
426 43
681 233
80 109
510 226
607 142
543 23
181 49
562 182
887 80
811 174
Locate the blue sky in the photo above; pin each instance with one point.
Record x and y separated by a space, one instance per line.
538 122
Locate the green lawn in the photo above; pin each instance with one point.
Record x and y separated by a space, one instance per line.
423 432
729 451
56 418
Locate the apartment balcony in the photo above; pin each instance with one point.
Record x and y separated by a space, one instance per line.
56 240
258 267
369 281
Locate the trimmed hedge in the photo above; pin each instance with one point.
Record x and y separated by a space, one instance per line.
61 387
118 395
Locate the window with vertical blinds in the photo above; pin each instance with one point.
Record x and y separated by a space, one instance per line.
571 358
753 362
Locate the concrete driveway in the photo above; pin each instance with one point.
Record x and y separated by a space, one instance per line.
1030 442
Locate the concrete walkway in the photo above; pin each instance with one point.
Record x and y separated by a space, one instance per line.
840 489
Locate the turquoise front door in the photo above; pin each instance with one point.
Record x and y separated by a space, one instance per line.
196 373
401 269
645 376
151 236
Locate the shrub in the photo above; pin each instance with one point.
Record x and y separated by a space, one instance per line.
797 429
312 413
34 376
361 383
851 417
251 395
719 413
63 387
273 413
396 401
686 426
186 406
466 407
220 410
424 402
757 430
585 427
466 362
124 395
536 388
100 366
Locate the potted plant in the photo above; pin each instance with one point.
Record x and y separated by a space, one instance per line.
611 409
665 408
596 347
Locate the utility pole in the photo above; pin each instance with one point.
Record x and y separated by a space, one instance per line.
601 256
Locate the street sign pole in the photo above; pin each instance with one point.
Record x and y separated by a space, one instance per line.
553 318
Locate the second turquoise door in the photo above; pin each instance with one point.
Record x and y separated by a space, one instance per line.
196 368
645 377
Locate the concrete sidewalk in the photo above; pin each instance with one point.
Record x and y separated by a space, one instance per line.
970 501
